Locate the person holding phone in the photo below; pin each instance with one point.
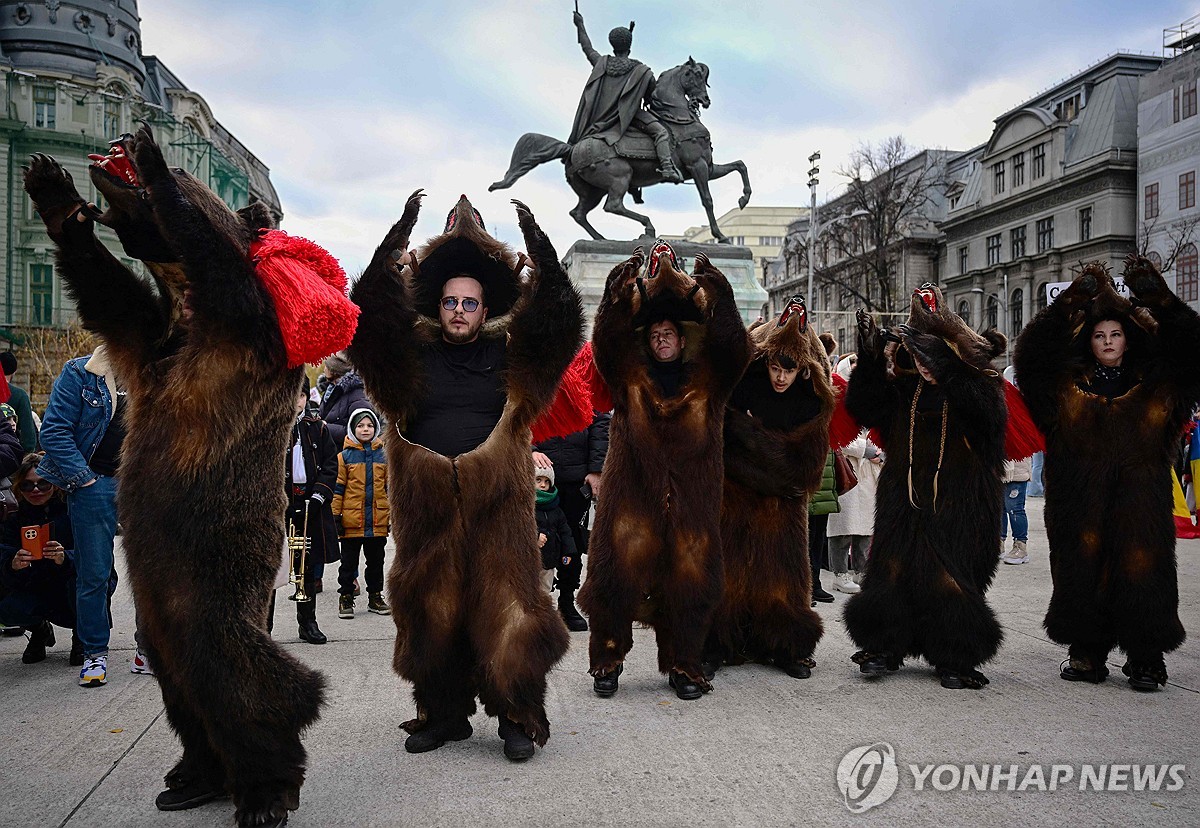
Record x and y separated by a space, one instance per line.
37 570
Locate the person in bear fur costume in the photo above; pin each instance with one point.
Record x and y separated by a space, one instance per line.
655 551
776 442
210 374
1112 415
940 412
465 586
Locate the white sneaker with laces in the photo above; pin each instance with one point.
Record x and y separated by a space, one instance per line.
845 583
140 664
94 672
1017 555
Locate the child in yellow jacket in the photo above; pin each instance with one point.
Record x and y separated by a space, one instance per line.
360 507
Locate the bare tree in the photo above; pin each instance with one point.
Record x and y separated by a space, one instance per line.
43 352
892 188
1180 234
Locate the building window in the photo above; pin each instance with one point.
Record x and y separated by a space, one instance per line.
998 177
1187 190
41 294
44 98
1085 224
1187 274
1016 312
1045 234
740 241
1018 165
112 118
1068 109
1184 101
993 311
1155 260
770 241
964 312
1039 161
1017 237
993 250
1151 201
1041 298
964 260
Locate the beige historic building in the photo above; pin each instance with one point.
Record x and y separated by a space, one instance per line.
1055 186
1168 161
75 78
762 229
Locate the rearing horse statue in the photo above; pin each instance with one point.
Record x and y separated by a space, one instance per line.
599 172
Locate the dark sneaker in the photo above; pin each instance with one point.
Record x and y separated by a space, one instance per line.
819 594
345 606
377 605
434 735
190 795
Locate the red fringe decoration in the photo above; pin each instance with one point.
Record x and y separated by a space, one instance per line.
5 391
601 397
308 287
1185 529
843 428
1021 438
572 408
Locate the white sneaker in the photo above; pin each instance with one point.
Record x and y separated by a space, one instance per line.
140 664
1016 555
845 583
94 672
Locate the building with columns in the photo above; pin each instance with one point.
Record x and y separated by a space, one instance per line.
75 78
1054 186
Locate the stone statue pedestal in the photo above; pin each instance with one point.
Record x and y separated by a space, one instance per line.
589 262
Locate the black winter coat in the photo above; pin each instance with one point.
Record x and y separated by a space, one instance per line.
10 450
340 401
320 468
553 524
580 454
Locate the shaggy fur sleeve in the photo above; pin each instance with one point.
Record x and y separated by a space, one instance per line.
1043 360
614 346
871 398
727 346
1178 334
385 348
774 463
546 332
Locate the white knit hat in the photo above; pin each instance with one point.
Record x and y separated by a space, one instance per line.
546 473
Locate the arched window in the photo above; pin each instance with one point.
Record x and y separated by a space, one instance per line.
964 312
1016 312
993 312
1040 297
1187 274
1155 260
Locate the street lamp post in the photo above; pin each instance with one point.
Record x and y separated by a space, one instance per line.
812 222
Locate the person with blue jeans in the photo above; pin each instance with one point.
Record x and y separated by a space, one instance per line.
1036 487
81 434
1016 481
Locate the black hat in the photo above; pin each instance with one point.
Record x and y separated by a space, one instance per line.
8 361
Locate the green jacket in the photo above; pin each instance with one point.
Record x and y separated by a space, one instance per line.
824 501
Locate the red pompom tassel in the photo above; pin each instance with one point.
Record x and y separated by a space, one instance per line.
573 403
308 287
1021 438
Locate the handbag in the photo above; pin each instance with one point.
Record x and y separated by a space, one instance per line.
844 477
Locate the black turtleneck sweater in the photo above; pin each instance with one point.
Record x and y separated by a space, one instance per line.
778 412
464 396
669 376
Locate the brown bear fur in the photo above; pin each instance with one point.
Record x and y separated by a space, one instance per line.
1108 464
765 613
471 615
654 554
936 544
210 405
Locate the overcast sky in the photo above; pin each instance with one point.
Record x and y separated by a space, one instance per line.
353 105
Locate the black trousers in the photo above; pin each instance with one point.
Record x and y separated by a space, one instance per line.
575 506
818 544
372 549
307 610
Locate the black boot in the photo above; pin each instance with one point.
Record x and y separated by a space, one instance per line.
517 745
684 687
566 607
1146 676
76 659
1084 666
306 616
40 637
605 684
191 794
436 734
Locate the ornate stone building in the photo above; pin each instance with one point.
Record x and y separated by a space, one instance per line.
1168 161
75 77
1055 186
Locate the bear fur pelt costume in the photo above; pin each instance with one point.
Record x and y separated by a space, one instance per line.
654 554
940 495
771 469
465 587
1108 467
210 407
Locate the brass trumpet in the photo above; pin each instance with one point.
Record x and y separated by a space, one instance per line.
299 546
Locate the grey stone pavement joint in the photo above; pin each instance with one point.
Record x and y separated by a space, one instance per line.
761 749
